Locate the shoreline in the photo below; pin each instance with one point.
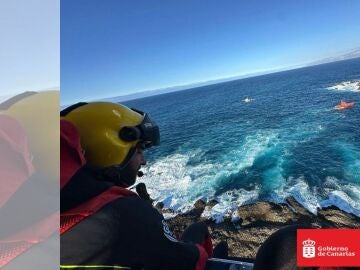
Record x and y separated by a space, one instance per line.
255 222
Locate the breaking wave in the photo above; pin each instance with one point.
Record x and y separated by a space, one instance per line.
347 86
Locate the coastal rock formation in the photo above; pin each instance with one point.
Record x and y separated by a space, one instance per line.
259 220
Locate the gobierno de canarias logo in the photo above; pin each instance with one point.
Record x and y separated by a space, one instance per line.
308 248
328 247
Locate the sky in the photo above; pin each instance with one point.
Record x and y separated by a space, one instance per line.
30 46
113 48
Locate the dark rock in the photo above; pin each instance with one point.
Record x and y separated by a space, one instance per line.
159 205
200 205
266 212
212 203
259 220
299 209
338 218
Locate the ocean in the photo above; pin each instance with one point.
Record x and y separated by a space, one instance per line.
261 138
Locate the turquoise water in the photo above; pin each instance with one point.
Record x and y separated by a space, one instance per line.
286 140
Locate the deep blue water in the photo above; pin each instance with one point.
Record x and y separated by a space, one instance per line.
289 140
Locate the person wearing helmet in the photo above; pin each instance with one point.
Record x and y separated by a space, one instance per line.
104 224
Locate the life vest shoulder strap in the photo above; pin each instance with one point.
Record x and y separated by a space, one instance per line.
74 216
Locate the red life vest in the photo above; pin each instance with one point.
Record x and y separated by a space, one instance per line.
76 215
72 159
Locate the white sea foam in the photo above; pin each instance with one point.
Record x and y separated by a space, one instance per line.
235 217
345 197
331 183
167 178
247 99
177 183
301 191
341 200
346 86
169 215
176 194
254 146
228 203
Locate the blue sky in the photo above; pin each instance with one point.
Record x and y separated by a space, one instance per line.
30 45
111 47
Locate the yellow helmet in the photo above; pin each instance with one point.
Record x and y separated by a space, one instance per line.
109 131
38 112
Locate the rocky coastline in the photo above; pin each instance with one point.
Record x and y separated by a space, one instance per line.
257 221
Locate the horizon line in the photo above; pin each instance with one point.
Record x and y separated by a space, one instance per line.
183 87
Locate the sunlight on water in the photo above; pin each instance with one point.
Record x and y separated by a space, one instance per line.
288 141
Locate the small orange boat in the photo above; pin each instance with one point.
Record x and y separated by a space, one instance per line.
344 105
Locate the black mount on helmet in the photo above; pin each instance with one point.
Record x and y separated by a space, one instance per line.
147 132
130 134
